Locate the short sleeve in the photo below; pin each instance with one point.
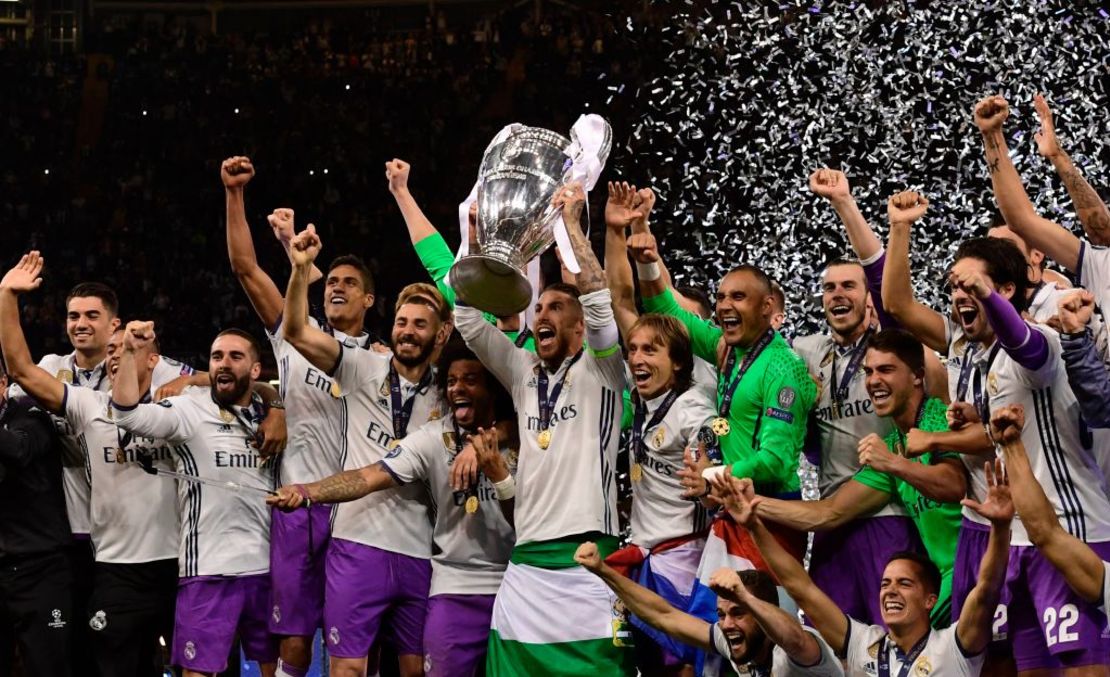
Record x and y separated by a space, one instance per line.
697 413
860 639
355 366
869 477
408 461
828 665
82 405
1094 270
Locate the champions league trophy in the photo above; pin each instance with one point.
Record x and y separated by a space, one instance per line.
521 171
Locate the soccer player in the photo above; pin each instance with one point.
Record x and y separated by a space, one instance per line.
928 487
299 540
1087 573
384 395
133 520
1009 361
752 633
224 547
1088 375
551 616
667 532
908 590
473 538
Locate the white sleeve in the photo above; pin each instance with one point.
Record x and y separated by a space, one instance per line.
860 639
81 405
827 666
1106 588
355 366
1094 271
602 337
408 461
172 419
167 370
494 349
697 413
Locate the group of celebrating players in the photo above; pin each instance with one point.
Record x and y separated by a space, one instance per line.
454 495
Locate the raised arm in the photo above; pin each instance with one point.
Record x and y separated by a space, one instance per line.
318 348
1026 346
973 629
619 214
897 289
1088 375
851 501
943 481
236 172
1055 241
281 221
35 381
160 421
602 336
1082 567
648 606
738 497
1092 211
782 629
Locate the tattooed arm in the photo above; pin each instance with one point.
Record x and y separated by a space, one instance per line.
349 485
1092 211
572 199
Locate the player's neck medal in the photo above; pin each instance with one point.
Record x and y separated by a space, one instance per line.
636 472
544 438
471 505
720 426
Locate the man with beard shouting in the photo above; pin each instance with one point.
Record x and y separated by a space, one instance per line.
388 530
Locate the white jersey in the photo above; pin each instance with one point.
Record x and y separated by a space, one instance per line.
1059 446
659 513
942 656
1106 587
398 520
781 664
75 478
133 516
568 488
705 378
224 531
313 409
472 550
839 429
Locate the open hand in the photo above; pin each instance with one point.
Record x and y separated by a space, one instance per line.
26 275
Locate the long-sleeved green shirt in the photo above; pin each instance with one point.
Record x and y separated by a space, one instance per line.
767 417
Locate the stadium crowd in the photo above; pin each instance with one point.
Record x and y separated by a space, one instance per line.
445 483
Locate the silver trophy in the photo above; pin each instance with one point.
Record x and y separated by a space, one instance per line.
521 170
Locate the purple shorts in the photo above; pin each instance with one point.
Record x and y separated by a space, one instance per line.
298 552
456 635
1039 618
210 610
366 586
847 563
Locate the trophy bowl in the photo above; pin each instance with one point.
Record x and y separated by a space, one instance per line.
521 171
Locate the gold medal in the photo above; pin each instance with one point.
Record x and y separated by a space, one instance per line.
471 505
335 390
636 472
120 456
720 426
226 416
393 444
544 438
65 376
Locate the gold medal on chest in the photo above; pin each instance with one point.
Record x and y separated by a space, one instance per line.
336 391
544 438
636 472
226 416
471 505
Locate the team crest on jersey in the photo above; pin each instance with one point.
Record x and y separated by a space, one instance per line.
449 439
384 390
923 668
394 450
873 650
660 435
992 383
828 358
435 414
276 614
190 650
786 397
65 376
333 635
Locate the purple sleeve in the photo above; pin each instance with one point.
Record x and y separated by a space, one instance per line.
1029 348
874 273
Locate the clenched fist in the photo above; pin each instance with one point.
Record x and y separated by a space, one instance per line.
236 172
906 207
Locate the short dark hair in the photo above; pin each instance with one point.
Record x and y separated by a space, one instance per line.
764 279
456 350
255 346
1004 263
98 290
760 584
359 265
901 344
671 334
698 296
926 568
562 287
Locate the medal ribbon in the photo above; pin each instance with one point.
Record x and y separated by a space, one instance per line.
982 397
965 373
638 427
749 360
402 409
840 392
547 404
907 663
522 337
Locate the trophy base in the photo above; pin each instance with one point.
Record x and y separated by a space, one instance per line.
491 285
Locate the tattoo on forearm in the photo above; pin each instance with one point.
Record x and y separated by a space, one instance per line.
345 486
1089 206
592 278
992 165
992 143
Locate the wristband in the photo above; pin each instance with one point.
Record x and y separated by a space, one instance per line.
709 474
304 494
505 489
649 272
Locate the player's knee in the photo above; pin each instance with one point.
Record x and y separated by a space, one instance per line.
296 651
347 667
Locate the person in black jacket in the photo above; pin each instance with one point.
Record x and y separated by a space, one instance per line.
36 608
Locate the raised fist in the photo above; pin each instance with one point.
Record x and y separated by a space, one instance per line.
281 220
1007 422
829 184
971 282
1075 311
305 246
906 207
726 583
643 248
236 172
137 335
24 276
397 172
990 113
